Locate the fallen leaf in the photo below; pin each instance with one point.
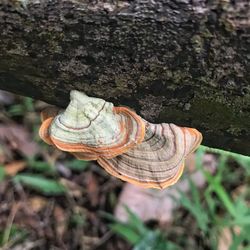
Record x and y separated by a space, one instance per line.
61 221
18 139
37 203
6 154
14 167
73 188
92 189
29 244
151 204
88 242
225 238
241 190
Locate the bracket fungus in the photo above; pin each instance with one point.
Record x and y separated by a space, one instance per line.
123 143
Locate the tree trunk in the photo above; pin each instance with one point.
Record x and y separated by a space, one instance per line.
179 61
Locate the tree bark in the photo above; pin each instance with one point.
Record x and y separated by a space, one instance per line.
177 61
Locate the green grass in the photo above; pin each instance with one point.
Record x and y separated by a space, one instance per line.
41 184
43 177
212 210
138 235
11 235
22 108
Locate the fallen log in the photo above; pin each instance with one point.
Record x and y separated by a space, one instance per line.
180 61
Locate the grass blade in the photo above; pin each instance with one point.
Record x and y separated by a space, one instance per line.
40 184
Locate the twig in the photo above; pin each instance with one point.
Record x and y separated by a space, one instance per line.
103 240
10 220
223 152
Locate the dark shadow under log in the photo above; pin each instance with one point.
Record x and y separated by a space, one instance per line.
180 61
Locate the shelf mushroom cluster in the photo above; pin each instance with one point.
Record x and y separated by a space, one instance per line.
123 143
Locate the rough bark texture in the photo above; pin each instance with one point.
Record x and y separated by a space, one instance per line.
179 61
